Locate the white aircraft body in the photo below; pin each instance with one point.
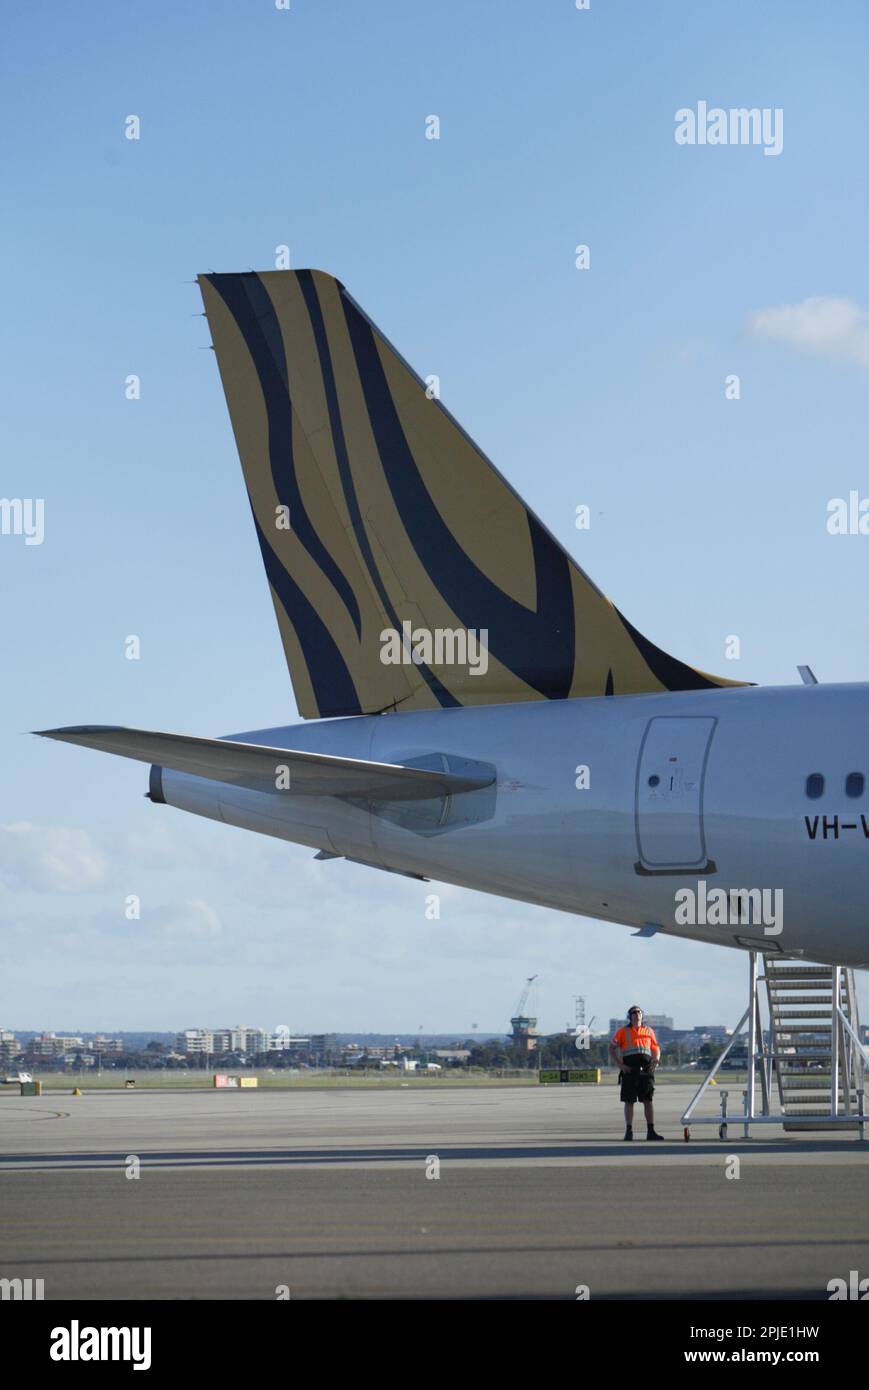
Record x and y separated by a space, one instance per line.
479 713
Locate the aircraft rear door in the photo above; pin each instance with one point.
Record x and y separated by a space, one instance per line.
669 797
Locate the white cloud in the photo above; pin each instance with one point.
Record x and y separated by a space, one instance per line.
184 925
50 859
203 919
823 326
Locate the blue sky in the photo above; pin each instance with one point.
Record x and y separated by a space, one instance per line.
261 128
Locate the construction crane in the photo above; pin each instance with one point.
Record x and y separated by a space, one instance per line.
523 997
525 1027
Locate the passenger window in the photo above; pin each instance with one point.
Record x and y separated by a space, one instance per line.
854 784
814 785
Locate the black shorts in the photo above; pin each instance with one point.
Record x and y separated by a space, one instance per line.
636 1085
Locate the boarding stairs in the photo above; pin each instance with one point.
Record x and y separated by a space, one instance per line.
817 1063
813 1051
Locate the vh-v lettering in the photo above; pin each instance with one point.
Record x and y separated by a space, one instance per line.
831 827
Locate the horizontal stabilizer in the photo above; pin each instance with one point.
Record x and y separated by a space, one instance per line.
261 768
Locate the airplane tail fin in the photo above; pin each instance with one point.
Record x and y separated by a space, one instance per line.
387 536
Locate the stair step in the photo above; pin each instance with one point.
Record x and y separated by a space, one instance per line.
789 1028
792 1088
822 987
794 972
802 1076
814 999
798 1004
818 1080
815 1114
821 1097
797 1125
780 1018
785 1059
783 999
799 979
824 990
812 1056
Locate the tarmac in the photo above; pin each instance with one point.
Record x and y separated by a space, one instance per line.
418 1193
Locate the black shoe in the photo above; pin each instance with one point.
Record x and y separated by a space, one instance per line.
629 1133
653 1135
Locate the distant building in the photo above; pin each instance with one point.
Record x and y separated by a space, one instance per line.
49 1046
715 1039
241 1039
9 1046
353 1053
194 1041
283 1041
106 1046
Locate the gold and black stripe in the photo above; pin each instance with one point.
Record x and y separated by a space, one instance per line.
396 516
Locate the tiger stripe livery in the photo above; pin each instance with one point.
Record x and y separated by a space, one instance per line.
396 516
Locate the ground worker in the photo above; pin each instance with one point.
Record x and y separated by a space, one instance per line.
635 1051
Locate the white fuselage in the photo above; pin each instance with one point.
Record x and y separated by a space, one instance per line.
610 807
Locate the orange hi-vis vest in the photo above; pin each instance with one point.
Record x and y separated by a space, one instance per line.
637 1042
